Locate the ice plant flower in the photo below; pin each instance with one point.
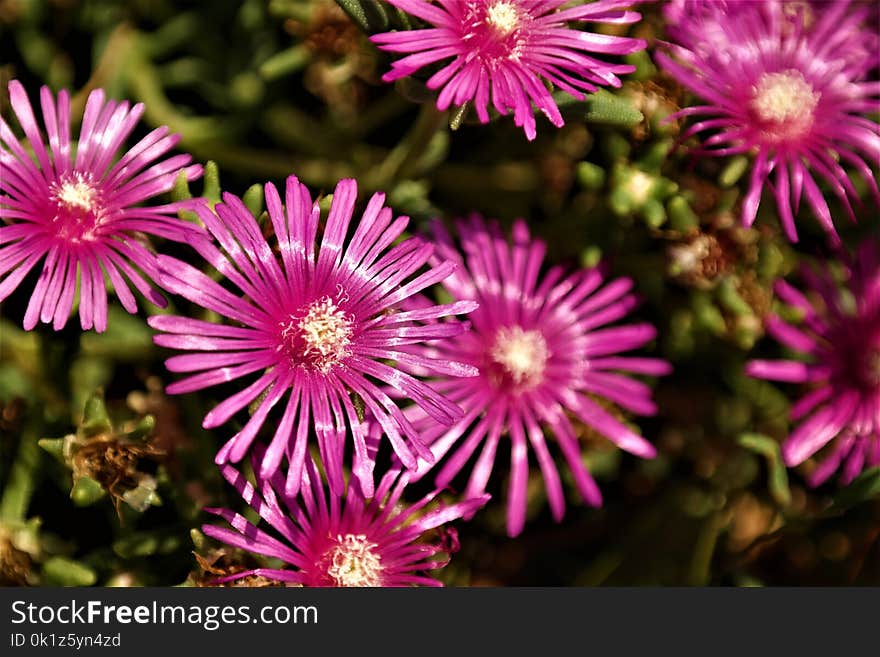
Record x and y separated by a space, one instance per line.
677 12
335 540
790 14
505 50
316 325
789 88
76 208
545 353
840 340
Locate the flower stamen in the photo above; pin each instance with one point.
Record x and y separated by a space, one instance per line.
353 562
785 101
321 336
77 194
78 208
522 354
503 17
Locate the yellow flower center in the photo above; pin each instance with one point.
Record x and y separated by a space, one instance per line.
322 336
78 211
503 17
522 354
785 100
76 194
353 562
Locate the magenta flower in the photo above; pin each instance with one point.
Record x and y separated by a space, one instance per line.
75 208
318 327
678 12
544 350
790 87
791 15
333 540
506 49
840 339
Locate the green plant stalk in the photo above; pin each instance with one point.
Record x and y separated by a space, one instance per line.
407 153
23 476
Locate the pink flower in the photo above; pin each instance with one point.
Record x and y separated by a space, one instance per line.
506 50
840 339
545 351
677 13
333 540
790 87
78 213
316 326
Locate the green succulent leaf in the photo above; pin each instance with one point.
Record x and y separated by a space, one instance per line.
86 491
95 417
607 108
60 571
370 15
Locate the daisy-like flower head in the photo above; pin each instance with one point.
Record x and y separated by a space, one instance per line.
76 208
504 50
791 15
545 354
840 340
789 87
343 540
317 325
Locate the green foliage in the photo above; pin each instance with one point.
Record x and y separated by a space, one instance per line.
604 107
865 488
777 475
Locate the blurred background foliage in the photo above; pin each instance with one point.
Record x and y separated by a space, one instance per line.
108 488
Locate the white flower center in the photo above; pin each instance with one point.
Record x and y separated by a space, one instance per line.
77 208
76 193
503 17
786 99
321 336
354 562
522 354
